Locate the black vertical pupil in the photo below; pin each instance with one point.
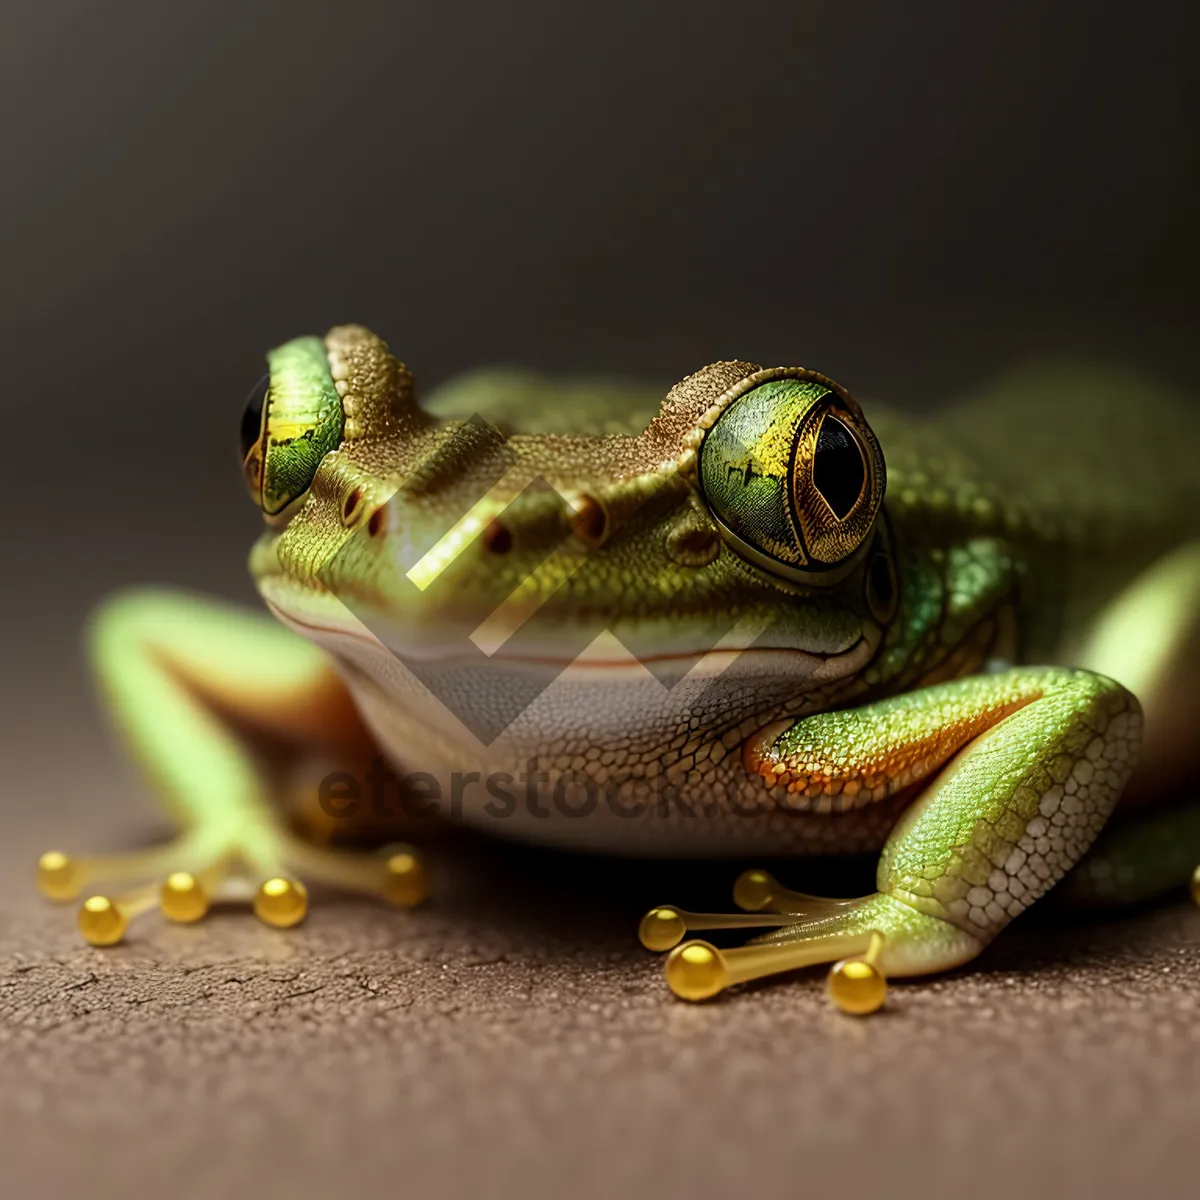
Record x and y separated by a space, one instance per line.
252 415
838 469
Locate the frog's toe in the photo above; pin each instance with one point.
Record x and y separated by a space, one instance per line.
181 879
866 939
396 874
184 879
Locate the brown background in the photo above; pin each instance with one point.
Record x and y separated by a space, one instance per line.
904 196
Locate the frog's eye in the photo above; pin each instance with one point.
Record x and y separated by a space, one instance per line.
292 419
794 476
252 416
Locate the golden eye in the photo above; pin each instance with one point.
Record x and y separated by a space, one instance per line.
252 415
251 436
793 475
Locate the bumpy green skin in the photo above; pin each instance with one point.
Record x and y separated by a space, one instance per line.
1012 522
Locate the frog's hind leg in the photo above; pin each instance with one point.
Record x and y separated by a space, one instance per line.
1137 859
194 687
1020 771
1149 639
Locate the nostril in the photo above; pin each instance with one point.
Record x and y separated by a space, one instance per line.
351 505
377 521
497 537
589 520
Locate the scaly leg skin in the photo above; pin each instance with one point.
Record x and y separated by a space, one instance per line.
189 683
1022 769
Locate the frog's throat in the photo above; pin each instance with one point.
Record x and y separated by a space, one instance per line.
459 709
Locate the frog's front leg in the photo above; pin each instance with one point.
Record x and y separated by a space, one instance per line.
191 684
1020 771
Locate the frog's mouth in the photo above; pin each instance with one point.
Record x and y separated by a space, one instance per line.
515 635
810 657
443 692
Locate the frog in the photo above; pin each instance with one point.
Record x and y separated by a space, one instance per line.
738 620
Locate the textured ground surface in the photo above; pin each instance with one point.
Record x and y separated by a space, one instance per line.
513 1036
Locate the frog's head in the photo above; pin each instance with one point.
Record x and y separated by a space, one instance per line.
737 535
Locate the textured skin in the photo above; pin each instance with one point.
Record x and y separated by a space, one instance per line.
1050 752
716 703
985 569
1040 786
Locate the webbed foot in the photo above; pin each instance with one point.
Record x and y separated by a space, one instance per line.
865 939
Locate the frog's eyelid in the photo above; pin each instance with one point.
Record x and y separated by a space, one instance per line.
293 417
687 462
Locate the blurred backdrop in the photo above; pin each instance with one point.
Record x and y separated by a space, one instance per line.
903 196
